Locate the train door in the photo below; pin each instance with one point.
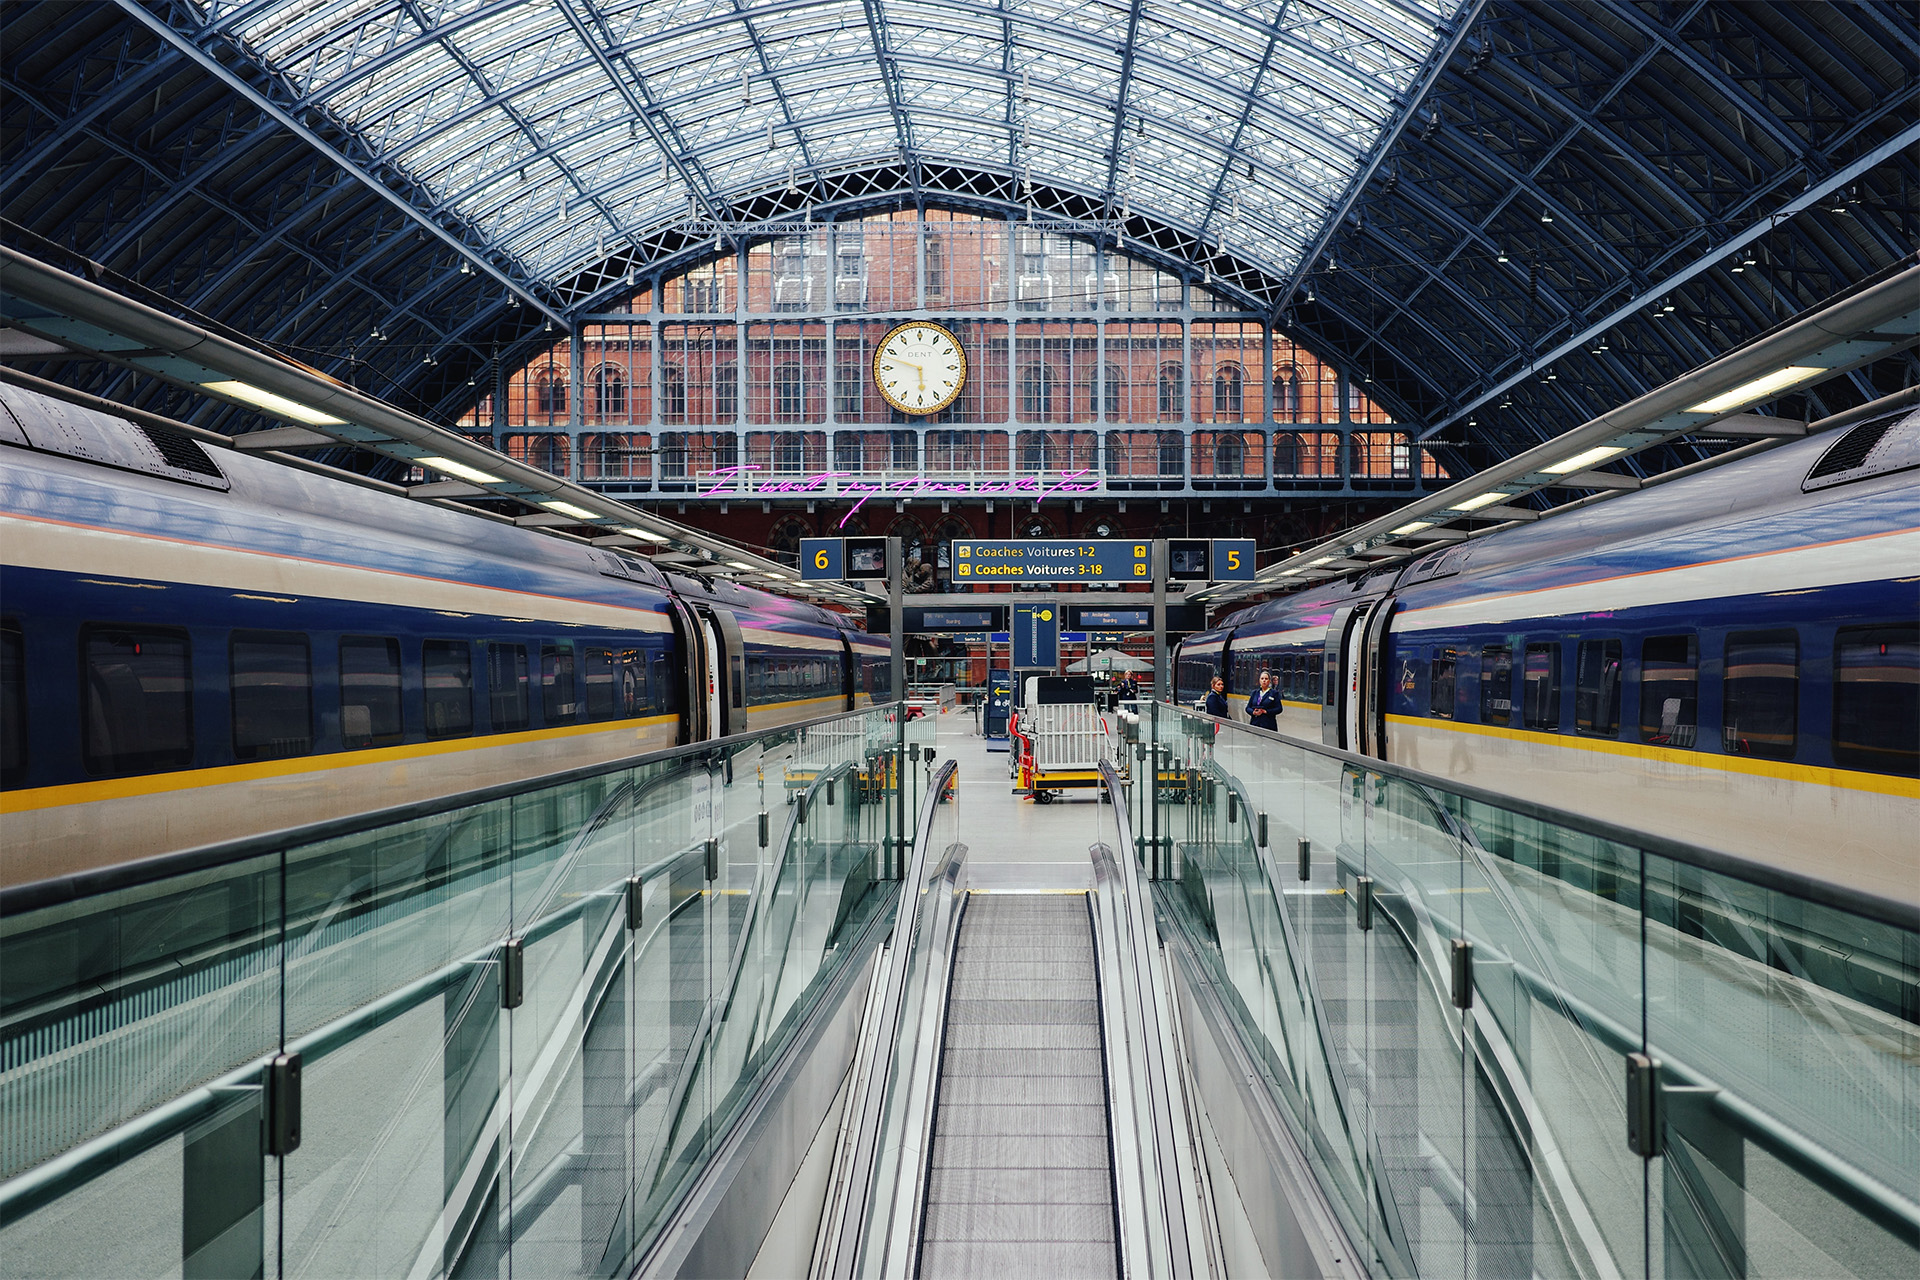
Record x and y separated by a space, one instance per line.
849 670
1341 682
727 677
1373 683
699 715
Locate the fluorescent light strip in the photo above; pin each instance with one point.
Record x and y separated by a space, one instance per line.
568 509
459 470
1759 389
1581 461
1484 500
742 564
1415 527
277 405
645 535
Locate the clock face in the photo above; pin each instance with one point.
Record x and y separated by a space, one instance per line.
919 367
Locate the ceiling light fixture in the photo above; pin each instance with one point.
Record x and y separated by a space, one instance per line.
1759 389
1484 500
278 405
1414 527
645 535
568 509
1581 461
459 470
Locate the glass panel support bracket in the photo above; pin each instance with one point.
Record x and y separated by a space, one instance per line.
1643 1105
280 1085
1462 974
1363 903
635 902
513 973
1305 851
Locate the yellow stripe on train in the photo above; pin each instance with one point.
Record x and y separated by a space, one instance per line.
1849 779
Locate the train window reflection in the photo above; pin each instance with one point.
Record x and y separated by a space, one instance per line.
598 677
272 695
507 687
1440 682
1541 688
1876 699
139 700
13 705
1669 688
1762 693
1496 685
1596 689
446 668
369 691
556 684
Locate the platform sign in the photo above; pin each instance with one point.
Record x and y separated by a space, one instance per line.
1036 636
1053 560
1093 619
1233 559
823 559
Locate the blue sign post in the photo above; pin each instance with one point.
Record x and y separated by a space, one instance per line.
1036 637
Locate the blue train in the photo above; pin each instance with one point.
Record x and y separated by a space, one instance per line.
1730 658
198 644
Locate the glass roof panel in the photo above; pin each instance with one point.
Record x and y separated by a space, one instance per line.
484 91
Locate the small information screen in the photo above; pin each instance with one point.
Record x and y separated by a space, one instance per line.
1111 619
1053 560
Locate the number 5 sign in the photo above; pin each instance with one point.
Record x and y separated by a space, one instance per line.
1233 559
823 559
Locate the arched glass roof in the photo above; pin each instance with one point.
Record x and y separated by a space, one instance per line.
1507 215
561 129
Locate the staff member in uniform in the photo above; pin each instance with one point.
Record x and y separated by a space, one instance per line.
1216 704
1264 705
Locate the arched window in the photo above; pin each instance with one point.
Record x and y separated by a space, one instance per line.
1286 454
1286 395
790 451
673 394
789 393
1173 392
1113 393
1173 460
550 394
609 394
1036 392
1229 455
1227 395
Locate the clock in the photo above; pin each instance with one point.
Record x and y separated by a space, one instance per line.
919 367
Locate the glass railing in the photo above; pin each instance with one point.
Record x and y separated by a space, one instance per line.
499 1032
1517 1042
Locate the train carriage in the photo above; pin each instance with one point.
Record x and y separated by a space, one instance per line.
1731 658
198 644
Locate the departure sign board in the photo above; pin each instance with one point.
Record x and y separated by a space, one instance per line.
1053 560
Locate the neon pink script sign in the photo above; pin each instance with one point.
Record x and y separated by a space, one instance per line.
736 481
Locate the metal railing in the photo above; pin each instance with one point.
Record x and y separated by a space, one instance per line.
1512 1040
500 1029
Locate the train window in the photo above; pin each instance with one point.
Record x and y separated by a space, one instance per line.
633 682
557 699
272 694
13 705
1669 687
597 674
1440 674
369 691
139 699
1540 690
507 691
1496 684
446 672
1762 697
663 688
1876 699
1596 688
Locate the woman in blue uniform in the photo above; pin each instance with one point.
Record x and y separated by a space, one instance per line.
1264 705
